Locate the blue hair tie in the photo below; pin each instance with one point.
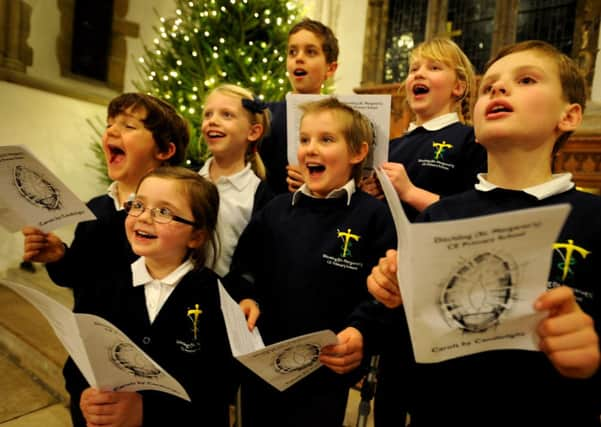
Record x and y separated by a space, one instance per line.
255 106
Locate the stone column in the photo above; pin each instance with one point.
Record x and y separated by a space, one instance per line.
15 54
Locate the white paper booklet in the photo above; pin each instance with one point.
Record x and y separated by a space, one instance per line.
281 364
469 285
106 357
375 107
30 194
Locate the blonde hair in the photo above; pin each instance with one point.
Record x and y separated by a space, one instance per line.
263 118
446 51
356 128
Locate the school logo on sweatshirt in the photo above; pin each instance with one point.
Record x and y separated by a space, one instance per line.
193 343
570 255
345 255
347 242
439 150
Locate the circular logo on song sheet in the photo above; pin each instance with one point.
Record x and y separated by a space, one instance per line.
126 357
478 292
296 358
36 189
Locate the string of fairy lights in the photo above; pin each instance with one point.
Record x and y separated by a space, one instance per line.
206 43
176 31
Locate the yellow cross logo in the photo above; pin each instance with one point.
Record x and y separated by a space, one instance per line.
193 314
568 261
346 238
440 148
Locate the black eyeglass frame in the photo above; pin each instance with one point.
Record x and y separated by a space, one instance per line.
128 205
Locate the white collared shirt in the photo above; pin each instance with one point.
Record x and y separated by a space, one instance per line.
436 123
236 201
113 193
157 291
346 190
560 183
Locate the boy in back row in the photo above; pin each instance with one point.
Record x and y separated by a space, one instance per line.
530 100
311 60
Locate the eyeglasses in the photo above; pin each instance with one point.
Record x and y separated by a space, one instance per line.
160 215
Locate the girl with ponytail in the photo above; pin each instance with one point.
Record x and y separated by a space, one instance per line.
234 122
438 156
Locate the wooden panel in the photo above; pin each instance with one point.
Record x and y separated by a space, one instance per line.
581 156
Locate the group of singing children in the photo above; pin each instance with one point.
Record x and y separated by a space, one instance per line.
315 257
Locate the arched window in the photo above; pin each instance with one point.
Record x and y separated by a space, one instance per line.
90 49
92 44
480 27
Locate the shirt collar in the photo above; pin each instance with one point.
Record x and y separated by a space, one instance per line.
436 123
204 170
346 190
141 276
239 180
560 183
113 193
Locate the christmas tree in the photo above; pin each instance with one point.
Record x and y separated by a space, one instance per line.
209 42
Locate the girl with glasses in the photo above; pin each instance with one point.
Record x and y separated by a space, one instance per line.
169 306
142 133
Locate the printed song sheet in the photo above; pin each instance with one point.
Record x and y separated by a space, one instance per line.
281 364
30 194
469 285
375 107
106 357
